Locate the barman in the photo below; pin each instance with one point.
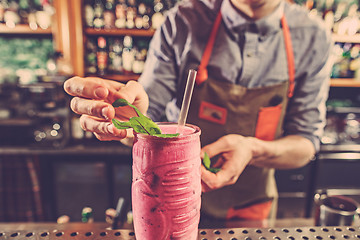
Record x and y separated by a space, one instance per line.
259 98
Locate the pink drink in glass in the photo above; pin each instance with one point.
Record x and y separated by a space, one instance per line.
166 185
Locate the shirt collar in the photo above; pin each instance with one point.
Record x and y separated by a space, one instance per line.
235 21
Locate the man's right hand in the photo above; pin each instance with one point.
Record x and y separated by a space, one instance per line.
93 98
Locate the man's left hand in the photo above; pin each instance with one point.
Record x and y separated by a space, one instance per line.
235 152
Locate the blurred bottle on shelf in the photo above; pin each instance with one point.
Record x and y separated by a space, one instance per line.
89 15
98 14
352 127
131 12
328 14
11 16
109 14
77 133
87 215
120 14
110 214
158 16
24 8
128 55
129 218
2 11
339 14
102 56
63 219
115 58
90 56
140 56
44 13
139 19
32 16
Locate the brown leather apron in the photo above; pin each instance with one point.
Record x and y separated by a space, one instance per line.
221 108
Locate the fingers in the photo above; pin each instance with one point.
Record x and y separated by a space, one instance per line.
94 108
235 155
103 130
93 98
87 90
223 144
226 176
91 88
135 94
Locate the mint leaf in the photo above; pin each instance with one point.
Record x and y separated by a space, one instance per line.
207 164
140 123
121 125
214 170
145 125
122 103
206 161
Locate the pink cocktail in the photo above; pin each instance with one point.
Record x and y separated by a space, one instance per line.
166 187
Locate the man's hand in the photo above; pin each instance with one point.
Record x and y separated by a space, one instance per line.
235 152
93 98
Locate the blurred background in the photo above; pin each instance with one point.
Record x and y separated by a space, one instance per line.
51 170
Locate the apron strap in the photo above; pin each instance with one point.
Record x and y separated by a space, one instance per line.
202 73
289 55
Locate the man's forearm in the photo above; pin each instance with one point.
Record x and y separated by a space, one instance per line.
288 152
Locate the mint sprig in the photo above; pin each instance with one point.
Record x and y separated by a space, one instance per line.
140 123
207 164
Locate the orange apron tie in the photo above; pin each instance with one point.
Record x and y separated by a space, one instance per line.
202 73
289 55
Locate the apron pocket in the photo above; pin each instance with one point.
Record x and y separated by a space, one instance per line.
267 122
212 113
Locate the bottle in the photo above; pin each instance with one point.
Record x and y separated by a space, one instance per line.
120 14
139 19
158 17
110 215
128 55
99 14
24 8
146 17
89 14
131 13
328 14
32 16
77 132
90 56
3 6
101 56
44 14
11 16
109 14
115 53
354 63
140 56
63 219
87 215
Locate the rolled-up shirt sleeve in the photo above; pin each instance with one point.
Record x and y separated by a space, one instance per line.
162 72
158 76
306 113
